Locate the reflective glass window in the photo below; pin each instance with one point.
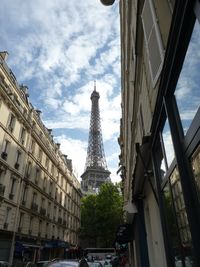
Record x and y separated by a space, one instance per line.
188 87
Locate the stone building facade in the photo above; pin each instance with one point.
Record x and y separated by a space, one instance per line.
160 130
39 194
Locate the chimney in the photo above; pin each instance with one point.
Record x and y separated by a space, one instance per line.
38 112
4 55
58 145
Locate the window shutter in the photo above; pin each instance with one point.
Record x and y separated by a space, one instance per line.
153 40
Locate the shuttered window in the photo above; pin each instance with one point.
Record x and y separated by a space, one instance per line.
153 40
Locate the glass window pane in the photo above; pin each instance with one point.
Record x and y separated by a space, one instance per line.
196 169
188 87
177 222
168 149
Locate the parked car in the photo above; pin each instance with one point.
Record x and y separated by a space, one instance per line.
29 264
4 264
69 263
95 264
42 263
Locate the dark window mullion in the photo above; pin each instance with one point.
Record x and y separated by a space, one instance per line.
168 247
185 171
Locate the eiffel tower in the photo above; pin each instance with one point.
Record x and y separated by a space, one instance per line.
96 172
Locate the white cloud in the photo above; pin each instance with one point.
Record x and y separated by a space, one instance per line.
75 150
58 48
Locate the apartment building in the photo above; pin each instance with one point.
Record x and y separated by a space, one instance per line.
39 194
160 130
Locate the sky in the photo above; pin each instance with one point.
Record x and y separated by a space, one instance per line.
187 92
57 49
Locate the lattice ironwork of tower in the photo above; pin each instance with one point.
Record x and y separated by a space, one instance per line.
96 171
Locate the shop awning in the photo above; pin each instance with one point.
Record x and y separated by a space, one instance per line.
56 244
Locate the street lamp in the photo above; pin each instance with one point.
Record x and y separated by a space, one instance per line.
107 2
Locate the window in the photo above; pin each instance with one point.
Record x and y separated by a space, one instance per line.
49 209
45 183
2 186
55 213
31 224
50 188
47 163
42 202
21 221
18 159
28 170
23 135
42 207
7 217
34 205
187 90
34 198
196 169
52 169
37 175
61 181
11 123
56 194
25 193
5 149
65 201
153 40
167 148
40 154
47 230
12 187
61 198
32 149
53 232
177 221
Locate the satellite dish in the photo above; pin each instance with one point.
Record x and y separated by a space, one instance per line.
107 2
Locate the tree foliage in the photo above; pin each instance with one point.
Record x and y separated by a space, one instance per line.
101 214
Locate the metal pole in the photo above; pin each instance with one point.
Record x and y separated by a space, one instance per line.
15 225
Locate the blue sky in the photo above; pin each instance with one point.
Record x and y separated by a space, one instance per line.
58 48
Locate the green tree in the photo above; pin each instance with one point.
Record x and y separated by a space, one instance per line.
101 214
88 218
